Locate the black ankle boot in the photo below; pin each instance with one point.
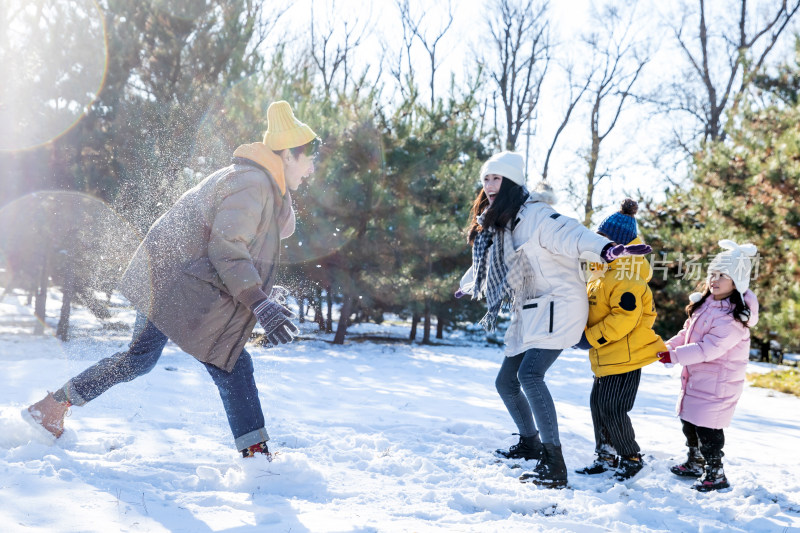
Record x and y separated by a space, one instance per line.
551 472
693 467
628 467
713 476
603 462
528 448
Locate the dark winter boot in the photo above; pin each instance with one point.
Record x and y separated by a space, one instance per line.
260 448
528 448
551 472
693 467
49 413
713 477
603 462
628 467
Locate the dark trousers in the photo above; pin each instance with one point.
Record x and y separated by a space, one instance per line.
611 400
709 440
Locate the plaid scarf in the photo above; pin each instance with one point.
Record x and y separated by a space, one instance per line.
493 278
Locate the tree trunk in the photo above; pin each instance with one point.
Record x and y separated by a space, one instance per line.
344 315
41 299
9 287
414 321
62 331
318 318
301 312
426 335
765 351
591 181
439 327
329 319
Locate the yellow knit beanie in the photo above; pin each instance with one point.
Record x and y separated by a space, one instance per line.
284 130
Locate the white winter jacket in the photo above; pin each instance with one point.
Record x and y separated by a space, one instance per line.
556 315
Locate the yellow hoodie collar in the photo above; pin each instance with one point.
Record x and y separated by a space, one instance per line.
260 154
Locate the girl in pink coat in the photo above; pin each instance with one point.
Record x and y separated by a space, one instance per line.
714 347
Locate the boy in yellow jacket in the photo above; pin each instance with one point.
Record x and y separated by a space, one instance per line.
620 337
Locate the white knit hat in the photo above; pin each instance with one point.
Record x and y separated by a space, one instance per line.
735 262
510 165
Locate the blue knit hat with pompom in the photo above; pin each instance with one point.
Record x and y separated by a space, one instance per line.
621 226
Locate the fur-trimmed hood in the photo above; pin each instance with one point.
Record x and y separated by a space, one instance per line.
543 192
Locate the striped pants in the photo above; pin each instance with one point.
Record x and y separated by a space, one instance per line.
611 400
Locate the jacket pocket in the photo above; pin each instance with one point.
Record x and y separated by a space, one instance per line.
615 353
537 318
202 269
703 381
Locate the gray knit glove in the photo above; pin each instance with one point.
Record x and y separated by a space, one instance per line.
274 318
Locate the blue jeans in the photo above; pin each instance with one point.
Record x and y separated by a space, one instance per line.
237 388
520 383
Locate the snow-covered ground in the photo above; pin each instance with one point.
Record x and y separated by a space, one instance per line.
369 437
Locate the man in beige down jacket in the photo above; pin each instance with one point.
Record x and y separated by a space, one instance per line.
204 275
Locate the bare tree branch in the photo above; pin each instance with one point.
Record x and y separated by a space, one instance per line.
331 57
573 102
412 26
611 87
736 52
521 38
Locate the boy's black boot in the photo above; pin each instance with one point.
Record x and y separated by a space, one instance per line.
693 467
603 462
551 472
713 476
628 467
528 448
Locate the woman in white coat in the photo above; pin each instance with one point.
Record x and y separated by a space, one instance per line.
525 258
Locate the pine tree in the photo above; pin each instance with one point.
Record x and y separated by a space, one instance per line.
187 54
746 189
434 160
168 65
